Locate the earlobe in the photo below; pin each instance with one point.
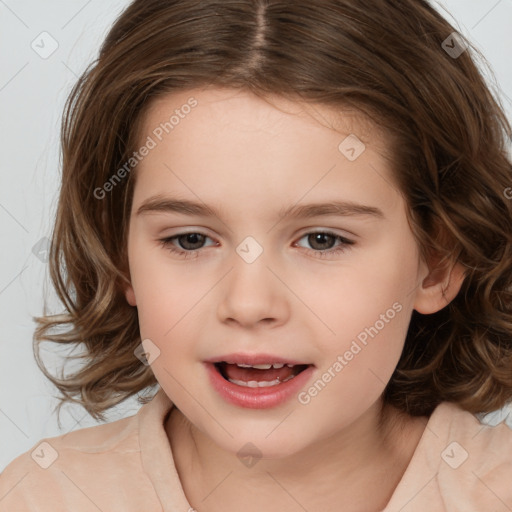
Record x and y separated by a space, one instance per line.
438 289
130 295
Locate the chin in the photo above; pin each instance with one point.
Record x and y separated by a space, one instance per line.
276 446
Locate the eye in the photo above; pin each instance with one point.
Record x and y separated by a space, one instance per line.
190 243
323 242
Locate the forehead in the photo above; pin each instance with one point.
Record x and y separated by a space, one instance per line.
271 111
211 142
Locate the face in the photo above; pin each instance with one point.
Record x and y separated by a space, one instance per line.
230 285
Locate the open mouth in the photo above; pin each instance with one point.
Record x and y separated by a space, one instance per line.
259 375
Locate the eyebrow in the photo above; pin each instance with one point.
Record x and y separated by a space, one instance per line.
160 204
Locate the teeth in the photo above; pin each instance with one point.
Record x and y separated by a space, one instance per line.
262 366
260 384
255 384
257 366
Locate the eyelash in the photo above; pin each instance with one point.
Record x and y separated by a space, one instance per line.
345 243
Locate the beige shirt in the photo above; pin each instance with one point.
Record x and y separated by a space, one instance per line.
459 465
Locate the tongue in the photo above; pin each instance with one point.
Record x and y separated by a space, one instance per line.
232 371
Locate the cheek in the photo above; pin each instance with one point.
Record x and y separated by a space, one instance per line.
374 290
167 298
368 307
358 364
160 307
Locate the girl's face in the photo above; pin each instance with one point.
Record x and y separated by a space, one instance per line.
328 288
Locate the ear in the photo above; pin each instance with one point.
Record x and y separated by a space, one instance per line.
130 295
125 284
439 288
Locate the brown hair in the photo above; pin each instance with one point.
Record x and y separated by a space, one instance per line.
386 59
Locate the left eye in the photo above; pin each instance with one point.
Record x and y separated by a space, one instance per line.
321 239
191 243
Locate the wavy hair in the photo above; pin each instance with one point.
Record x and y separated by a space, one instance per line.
392 61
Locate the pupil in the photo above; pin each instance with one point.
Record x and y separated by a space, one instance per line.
191 238
320 238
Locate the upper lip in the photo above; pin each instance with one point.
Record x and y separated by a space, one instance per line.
253 359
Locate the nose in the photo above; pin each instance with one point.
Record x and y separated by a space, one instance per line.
253 295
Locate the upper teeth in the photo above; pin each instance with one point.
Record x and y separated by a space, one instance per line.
261 366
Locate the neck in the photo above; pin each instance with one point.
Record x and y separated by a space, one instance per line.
330 474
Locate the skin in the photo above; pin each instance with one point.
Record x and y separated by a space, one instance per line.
249 158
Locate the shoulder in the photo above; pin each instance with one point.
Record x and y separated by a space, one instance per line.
473 460
459 463
71 471
486 443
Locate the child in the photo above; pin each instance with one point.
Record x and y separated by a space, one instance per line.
208 156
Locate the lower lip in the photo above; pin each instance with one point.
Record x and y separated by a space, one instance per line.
257 398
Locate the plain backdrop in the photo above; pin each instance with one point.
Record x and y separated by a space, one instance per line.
44 47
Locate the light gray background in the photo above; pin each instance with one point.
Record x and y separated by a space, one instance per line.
32 94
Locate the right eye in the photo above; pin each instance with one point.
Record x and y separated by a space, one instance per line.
193 238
